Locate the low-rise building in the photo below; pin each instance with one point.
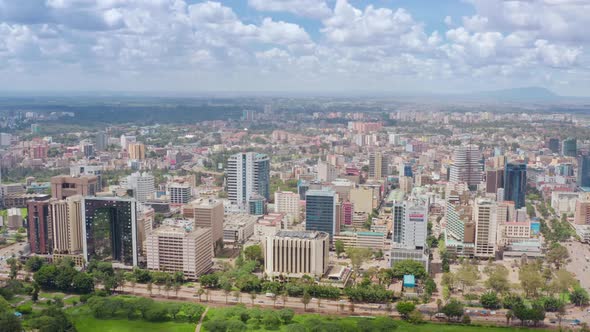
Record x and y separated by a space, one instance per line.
297 253
238 228
369 240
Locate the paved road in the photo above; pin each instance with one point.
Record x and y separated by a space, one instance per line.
578 263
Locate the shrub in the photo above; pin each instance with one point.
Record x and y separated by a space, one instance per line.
466 319
415 317
24 309
84 297
156 314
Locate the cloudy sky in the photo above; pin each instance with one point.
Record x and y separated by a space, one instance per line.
434 46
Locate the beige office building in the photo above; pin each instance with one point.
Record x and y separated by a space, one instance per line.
362 198
287 202
296 253
175 249
582 215
64 186
406 184
136 151
207 212
485 228
378 165
66 224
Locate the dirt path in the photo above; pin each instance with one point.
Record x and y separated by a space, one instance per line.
198 328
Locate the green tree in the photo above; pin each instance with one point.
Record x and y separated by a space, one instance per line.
286 315
405 308
271 320
378 254
46 276
210 280
497 278
557 255
226 287
216 325
82 283
510 301
449 280
562 281
531 279
254 253
466 320
453 309
415 317
490 300
236 326
34 263
467 275
429 287
579 296
408 266
9 322
509 316
339 247
14 267
35 292
358 256
305 299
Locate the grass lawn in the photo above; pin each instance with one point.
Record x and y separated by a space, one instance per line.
84 322
16 299
402 326
71 300
51 295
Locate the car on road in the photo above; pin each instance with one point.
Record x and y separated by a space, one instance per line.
440 315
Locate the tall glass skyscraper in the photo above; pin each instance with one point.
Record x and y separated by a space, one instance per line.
320 211
584 171
569 147
247 174
110 230
515 184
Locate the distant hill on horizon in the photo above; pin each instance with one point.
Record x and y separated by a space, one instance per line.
520 94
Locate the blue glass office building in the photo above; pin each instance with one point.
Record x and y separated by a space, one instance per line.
515 184
408 170
584 171
320 211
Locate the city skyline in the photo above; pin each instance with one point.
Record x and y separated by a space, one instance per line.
294 45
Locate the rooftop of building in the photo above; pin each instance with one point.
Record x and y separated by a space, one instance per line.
205 202
395 196
320 192
180 230
301 234
178 185
238 219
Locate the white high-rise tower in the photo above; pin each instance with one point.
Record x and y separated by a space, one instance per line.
467 166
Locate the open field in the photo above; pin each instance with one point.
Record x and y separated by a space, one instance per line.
84 322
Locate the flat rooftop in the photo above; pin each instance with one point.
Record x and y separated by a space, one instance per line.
301 234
